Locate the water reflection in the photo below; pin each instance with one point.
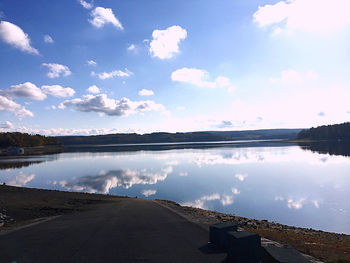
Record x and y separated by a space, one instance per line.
12 165
203 201
104 182
285 184
324 147
173 146
20 162
21 179
297 203
148 192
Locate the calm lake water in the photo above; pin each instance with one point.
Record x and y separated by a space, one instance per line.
285 184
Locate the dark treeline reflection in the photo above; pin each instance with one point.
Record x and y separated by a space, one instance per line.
19 164
330 147
172 146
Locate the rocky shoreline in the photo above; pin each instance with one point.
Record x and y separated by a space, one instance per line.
325 246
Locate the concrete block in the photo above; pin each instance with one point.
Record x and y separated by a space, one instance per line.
244 247
218 233
283 254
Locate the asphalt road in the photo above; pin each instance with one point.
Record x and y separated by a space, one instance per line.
130 230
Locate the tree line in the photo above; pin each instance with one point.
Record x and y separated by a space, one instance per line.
8 139
327 132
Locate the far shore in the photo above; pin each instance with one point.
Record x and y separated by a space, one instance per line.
21 206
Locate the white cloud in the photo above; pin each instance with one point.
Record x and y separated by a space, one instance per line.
31 91
112 74
181 108
7 125
14 36
226 200
321 16
199 78
86 5
279 198
101 16
25 90
241 177
21 179
58 91
169 169
67 131
102 104
146 92
148 193
183 174
287 76
316 203
57 70
223 81
48 39
174 162
9 105
93 89
295 204
165 43
91 63
132 47
235 191
193 76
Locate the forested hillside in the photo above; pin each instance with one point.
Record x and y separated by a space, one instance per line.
164 137
127 138
8 139
327 132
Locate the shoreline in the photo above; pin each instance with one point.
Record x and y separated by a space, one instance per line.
325 246
20 206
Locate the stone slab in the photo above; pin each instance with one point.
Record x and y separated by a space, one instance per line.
218 233
244 247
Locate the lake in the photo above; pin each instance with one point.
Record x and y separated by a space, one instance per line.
278 182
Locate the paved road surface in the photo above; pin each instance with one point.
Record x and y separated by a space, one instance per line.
130 230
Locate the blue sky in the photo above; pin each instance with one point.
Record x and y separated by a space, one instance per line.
80 67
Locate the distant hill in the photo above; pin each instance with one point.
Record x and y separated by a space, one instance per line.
128 138
266 134
327 132
164 137
18 139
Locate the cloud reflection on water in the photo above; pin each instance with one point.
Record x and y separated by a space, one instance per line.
265 155
105 181
148 192
241 177
21 179
299 203
202 202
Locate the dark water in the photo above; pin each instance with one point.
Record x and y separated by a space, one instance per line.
303 186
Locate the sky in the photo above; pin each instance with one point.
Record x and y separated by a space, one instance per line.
98 67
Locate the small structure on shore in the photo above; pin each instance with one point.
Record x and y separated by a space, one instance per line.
15 151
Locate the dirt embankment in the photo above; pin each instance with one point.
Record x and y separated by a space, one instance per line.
20 205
